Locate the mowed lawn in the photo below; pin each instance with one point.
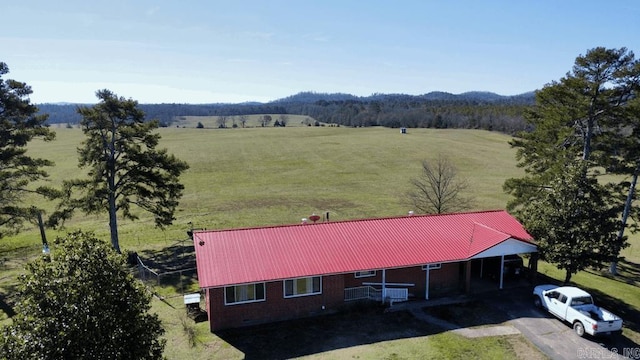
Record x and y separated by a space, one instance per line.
270 176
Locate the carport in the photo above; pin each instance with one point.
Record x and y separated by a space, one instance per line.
501 251
505 246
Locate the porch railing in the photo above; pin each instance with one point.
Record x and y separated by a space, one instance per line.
397 294
362 293
371 293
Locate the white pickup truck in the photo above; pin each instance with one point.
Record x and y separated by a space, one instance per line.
576 307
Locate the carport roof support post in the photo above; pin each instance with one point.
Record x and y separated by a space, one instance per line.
426 288
501 271
384 285
467 276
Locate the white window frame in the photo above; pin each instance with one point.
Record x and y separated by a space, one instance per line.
435 266
363 274
245 286
294 288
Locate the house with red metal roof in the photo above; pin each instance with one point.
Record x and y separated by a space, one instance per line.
274 273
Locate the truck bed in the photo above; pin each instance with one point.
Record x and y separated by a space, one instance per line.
596 313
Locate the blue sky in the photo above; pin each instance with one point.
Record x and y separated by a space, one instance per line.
236 51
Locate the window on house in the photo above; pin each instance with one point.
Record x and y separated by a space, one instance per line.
303 286
241 294
432 266
361 274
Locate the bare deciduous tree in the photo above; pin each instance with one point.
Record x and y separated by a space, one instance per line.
243 120
439 189
265 120
222 121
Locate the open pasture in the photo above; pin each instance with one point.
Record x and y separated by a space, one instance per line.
269 176
212 122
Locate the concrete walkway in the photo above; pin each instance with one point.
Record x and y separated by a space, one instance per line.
415 308
495 330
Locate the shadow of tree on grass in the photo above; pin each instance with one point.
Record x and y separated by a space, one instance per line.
319 334
179 256
172 266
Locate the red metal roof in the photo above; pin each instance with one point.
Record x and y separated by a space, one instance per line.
249 255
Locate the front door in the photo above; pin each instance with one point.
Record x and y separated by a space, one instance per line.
555 303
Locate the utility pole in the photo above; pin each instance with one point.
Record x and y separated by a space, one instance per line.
45 245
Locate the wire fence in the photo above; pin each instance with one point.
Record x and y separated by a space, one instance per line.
169 280
182 280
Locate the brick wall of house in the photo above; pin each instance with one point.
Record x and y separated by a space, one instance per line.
275 307
445 279
414 275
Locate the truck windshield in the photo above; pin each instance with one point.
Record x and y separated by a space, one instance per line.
581 300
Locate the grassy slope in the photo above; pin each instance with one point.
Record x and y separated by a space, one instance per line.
264 176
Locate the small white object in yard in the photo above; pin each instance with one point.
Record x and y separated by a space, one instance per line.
192 299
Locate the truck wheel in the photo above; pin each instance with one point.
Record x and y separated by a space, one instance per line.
578 328
537 302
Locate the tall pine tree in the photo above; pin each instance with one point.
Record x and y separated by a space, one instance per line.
19 124
125 167
580 126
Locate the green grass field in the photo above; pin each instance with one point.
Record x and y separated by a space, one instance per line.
269 176
266 176
211 122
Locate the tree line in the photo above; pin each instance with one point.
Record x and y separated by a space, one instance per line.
411 112
485 111
165 114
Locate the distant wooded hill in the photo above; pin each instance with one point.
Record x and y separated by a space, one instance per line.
471 110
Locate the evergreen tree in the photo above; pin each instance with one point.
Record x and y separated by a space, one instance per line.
581 126
572 222
19 124
125 168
